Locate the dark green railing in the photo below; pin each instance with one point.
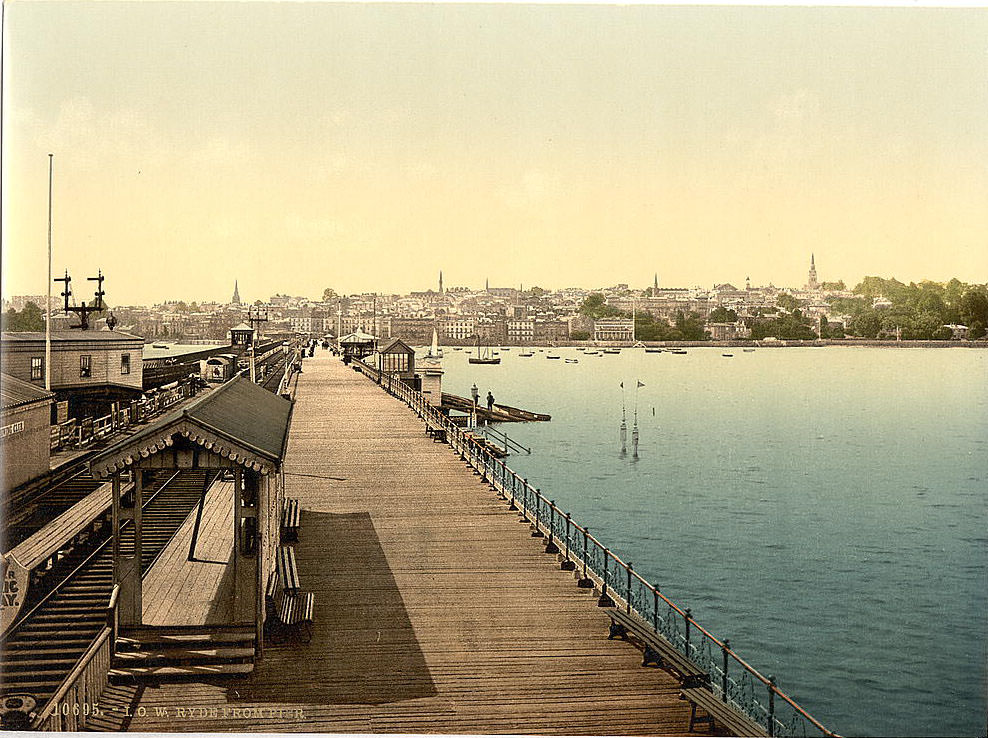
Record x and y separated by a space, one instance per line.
731 678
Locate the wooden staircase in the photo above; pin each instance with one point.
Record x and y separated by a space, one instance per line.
177 653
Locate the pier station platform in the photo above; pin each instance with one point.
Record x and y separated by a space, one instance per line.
435 609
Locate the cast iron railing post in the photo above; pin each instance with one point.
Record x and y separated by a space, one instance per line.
566 564
605 600
514 491
726 647
551 547
627 601
524 500
536 533
687 617
655 608
585 582
771 705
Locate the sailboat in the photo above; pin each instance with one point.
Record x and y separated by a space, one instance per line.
484 355
435 352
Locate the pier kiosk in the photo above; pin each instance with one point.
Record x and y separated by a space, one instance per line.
239 430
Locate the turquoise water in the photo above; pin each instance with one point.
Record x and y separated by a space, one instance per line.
824 508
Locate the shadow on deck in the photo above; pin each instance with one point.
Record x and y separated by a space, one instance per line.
363 649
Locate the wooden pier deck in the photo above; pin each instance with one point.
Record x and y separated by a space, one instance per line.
436 611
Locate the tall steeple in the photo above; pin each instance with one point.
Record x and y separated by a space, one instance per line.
656 285
235 300
811 283
487 285
440 281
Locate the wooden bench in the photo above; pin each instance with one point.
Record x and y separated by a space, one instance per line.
719 713
656 649
288 612
438 434
291 518
287 570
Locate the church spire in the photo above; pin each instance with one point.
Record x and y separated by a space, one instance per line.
440 281
235 300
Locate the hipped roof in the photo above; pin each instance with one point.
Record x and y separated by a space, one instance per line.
239 420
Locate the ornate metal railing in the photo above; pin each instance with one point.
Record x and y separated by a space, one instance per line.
731 678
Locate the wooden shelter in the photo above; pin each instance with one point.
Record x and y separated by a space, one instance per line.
238 429
357 345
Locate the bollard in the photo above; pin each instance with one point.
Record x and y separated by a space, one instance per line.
566 564
605 600
551 547
585 582
726 647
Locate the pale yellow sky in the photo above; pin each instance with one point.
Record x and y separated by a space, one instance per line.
366 147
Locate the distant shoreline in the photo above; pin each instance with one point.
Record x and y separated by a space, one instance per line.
820 343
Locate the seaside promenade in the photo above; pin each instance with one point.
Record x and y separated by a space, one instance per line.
436 611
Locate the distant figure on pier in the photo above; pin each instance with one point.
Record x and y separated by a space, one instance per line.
490 401
475 394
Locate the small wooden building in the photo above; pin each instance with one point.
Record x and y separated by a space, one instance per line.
357 345
241 335
219 368
396 358
239 429
25 412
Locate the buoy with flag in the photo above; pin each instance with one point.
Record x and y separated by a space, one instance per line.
624 425
634 430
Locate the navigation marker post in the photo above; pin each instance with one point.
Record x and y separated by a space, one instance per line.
624 425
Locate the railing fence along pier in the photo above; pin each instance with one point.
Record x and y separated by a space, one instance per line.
731 678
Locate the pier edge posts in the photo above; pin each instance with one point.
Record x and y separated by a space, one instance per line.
688 617
566 564
771 705
514 487
585 582
605 599
655 608
627 600
725 648
524 501
551 547
536 533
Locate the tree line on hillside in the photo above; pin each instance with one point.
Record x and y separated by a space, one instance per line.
914 312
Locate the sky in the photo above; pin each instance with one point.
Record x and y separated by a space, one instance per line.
365 147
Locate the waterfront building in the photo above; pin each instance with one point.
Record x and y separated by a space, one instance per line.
520 331
614 329
728 331
457 328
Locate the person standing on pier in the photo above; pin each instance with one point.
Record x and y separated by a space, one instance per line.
475 394
490 401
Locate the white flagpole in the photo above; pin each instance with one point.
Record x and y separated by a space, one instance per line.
51 166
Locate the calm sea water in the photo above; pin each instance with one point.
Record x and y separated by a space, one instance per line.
824 508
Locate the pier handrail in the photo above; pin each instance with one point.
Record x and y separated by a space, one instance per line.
623 583
77 698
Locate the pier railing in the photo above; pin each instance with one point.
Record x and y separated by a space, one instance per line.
74 434
731 678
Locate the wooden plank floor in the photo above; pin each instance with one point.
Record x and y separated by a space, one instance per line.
182 592
436 611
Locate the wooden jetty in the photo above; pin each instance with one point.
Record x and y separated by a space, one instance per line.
436 610
498 414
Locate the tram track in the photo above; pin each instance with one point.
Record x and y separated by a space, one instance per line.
43 646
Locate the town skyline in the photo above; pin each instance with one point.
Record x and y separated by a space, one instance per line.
537 144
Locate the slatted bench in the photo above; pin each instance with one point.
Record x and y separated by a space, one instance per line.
287 570
438 434
719 713
288 611
656 649
291 518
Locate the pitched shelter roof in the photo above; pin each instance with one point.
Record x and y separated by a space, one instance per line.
15 392
396 345
239 420
241 327
357 337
